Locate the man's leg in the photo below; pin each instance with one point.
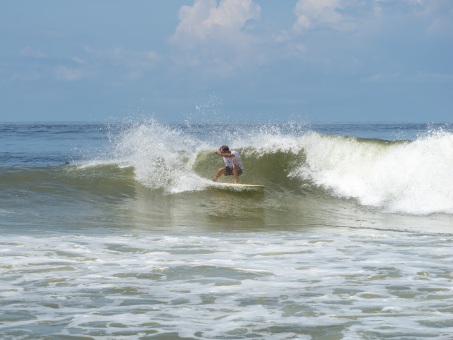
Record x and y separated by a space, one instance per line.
219 173
235 173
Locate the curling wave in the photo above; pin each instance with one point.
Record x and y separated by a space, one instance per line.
411 177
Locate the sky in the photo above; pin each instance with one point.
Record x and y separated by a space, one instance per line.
234 60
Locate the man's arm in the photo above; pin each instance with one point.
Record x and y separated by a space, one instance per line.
223 154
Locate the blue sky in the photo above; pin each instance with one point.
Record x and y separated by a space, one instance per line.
236 60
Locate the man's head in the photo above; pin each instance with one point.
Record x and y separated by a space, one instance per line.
224 148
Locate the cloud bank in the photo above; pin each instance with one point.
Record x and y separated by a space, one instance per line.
278 53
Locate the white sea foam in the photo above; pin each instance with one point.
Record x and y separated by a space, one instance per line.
413 177
228 284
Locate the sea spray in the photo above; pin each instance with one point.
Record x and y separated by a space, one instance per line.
165 156
160 155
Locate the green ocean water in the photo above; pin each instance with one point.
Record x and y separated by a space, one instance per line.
116 231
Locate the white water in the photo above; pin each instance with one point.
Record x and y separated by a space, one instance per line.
349 283
414 177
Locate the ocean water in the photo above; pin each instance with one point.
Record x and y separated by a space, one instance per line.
116 231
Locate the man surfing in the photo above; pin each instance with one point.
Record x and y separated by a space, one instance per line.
233 163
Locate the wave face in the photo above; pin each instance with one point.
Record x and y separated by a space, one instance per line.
411 177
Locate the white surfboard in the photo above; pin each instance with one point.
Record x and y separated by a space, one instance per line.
239 185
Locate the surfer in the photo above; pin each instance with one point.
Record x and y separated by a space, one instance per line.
233 164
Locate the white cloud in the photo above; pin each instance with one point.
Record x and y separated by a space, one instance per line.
316 12
207 21
26 76
218 38
69 74
442 26
345 15
429 77
420 77
131 65
383 78
440 15
32 53
144 60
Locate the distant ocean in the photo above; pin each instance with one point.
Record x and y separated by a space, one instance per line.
115 231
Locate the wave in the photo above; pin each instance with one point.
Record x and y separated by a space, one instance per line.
411 177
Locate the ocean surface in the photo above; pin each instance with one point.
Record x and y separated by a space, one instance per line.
116 231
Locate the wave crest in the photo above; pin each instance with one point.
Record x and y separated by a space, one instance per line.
412 177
